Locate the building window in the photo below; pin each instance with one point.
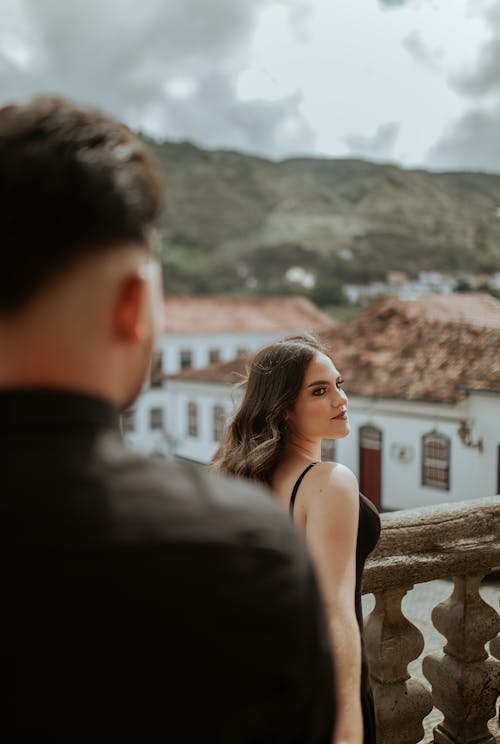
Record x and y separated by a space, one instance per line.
157 370
219 421
436 461
192 427
328 450
156 419
214 356
128 420
186 359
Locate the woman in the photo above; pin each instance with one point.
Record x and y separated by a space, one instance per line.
293 400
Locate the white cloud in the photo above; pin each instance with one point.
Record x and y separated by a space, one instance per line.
472 142
276 77
380 146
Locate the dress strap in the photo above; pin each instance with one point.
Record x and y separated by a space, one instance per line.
297 484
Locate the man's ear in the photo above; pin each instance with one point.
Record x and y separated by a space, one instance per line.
129 315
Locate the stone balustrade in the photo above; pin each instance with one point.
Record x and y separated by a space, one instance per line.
459 541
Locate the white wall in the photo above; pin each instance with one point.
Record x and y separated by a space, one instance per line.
142 438
207 396
473 474
484 412
403 423
200 344
147 441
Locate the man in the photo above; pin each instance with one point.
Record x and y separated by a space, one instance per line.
139 599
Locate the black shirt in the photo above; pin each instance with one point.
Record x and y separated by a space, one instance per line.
148 599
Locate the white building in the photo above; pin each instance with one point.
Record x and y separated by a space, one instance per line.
418 453
423 381
397 283
201 401
199 331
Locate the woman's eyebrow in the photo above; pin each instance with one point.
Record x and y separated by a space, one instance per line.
318 382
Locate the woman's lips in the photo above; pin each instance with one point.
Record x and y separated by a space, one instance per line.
341 417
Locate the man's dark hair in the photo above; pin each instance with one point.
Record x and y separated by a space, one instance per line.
72 181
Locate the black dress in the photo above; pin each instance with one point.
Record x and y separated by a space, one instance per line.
368 535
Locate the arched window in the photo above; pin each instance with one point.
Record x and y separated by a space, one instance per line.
436 460
192 412
219 421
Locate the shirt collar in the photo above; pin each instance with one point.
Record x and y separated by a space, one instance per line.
52 409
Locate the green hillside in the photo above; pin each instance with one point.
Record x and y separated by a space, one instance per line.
235 223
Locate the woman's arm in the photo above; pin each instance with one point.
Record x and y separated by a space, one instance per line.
332 512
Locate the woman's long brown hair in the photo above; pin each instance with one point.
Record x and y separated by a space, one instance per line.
255 439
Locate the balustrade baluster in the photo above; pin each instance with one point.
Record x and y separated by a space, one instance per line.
392 641
465 681
495 644
495 651
495 647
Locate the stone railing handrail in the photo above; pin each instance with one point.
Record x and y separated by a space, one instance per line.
459 541
435 542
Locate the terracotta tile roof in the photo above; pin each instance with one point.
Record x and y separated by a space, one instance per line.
406 350
397 349
472 308
214 314
229 373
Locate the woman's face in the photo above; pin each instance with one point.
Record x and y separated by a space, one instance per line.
320 411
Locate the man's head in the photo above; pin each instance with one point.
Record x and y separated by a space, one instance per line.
79 199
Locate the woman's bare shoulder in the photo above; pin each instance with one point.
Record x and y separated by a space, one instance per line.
333 489
333 474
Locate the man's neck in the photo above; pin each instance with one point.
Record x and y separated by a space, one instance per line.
39 367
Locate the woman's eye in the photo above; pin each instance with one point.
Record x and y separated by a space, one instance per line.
320 391
340 383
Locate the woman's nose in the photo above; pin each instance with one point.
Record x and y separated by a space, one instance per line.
340 399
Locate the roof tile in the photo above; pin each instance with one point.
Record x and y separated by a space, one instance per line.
412 350
215 314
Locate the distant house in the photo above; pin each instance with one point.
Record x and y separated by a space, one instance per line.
494 281
396 278
423 380
198 332
201 401
397 283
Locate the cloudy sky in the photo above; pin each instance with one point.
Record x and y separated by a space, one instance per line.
416 82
